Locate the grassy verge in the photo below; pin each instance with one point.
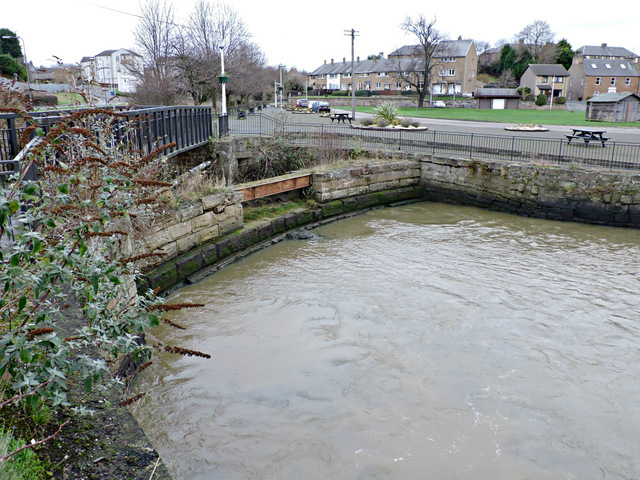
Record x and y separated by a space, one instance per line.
544 117
22 466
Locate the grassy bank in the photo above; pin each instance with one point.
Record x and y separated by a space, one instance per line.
543 117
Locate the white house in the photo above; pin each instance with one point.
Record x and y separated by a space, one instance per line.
113 69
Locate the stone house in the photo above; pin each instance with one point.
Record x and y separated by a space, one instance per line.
602 69
614 107
454 71
113 69
551 80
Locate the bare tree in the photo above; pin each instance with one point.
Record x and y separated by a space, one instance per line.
418 68
211 26
155 34
536 35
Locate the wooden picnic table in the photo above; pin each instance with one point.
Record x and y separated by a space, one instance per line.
587 135
340 117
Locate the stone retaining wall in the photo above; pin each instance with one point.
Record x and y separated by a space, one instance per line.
354 181
603 198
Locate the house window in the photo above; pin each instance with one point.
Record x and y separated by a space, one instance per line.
333 76
623 66
420 85
582 81
383 74
545 79
365 74
571 82
597 80
387 86
449 59
627 81
448 72
344 86
607 65
613 80
346 75
360 86
558 79
321 77
398 85
378 86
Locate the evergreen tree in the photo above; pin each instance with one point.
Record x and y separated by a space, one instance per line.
564 53
10 46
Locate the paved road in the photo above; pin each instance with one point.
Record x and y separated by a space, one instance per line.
617 134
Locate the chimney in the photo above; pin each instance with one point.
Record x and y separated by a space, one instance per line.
358 58
604 45
332 61
459 37
325 61
344 60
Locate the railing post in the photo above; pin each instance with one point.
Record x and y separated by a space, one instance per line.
433 145
513 142
14 149
613 149
400 140
471 147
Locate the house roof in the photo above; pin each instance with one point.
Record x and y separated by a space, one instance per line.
609 68
108 53
403 62
605 51
367 66
497 93
447 48
548 70
612 97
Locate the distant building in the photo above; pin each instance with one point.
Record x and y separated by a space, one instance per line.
548 79
498 98
455 70
113 69
614 107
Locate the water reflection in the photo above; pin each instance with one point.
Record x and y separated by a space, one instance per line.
427 341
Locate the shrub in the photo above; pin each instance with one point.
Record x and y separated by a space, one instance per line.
561 100
406 122
387 111
340 93
529 97
366 121
362 93
382 122
527 90
9 66
541 100
415 123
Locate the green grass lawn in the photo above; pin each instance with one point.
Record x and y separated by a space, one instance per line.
543 117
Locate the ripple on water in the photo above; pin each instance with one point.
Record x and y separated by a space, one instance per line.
427 338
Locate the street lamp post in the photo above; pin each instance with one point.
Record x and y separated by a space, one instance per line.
223 80
26 63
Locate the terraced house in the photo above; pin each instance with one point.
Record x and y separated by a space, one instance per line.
454 70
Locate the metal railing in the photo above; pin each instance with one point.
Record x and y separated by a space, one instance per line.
616 155
146 128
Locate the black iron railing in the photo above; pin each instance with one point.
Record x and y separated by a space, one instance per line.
146 128
616 155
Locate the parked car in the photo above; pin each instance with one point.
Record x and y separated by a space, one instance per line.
439 104
324 107
302 103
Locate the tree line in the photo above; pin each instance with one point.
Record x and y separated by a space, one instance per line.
11 55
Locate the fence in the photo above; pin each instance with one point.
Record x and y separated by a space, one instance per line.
146 128
616 155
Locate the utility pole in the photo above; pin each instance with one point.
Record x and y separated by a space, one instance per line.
352 33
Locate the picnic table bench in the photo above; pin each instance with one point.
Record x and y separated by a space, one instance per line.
588 135
340 117
251 110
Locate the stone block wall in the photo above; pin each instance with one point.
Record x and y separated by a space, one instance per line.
354 181
211 217
604 198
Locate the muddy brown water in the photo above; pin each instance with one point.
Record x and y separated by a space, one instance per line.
425 341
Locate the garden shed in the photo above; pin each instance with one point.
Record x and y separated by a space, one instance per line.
498 98
614 107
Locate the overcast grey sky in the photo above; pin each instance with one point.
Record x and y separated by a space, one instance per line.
304 34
